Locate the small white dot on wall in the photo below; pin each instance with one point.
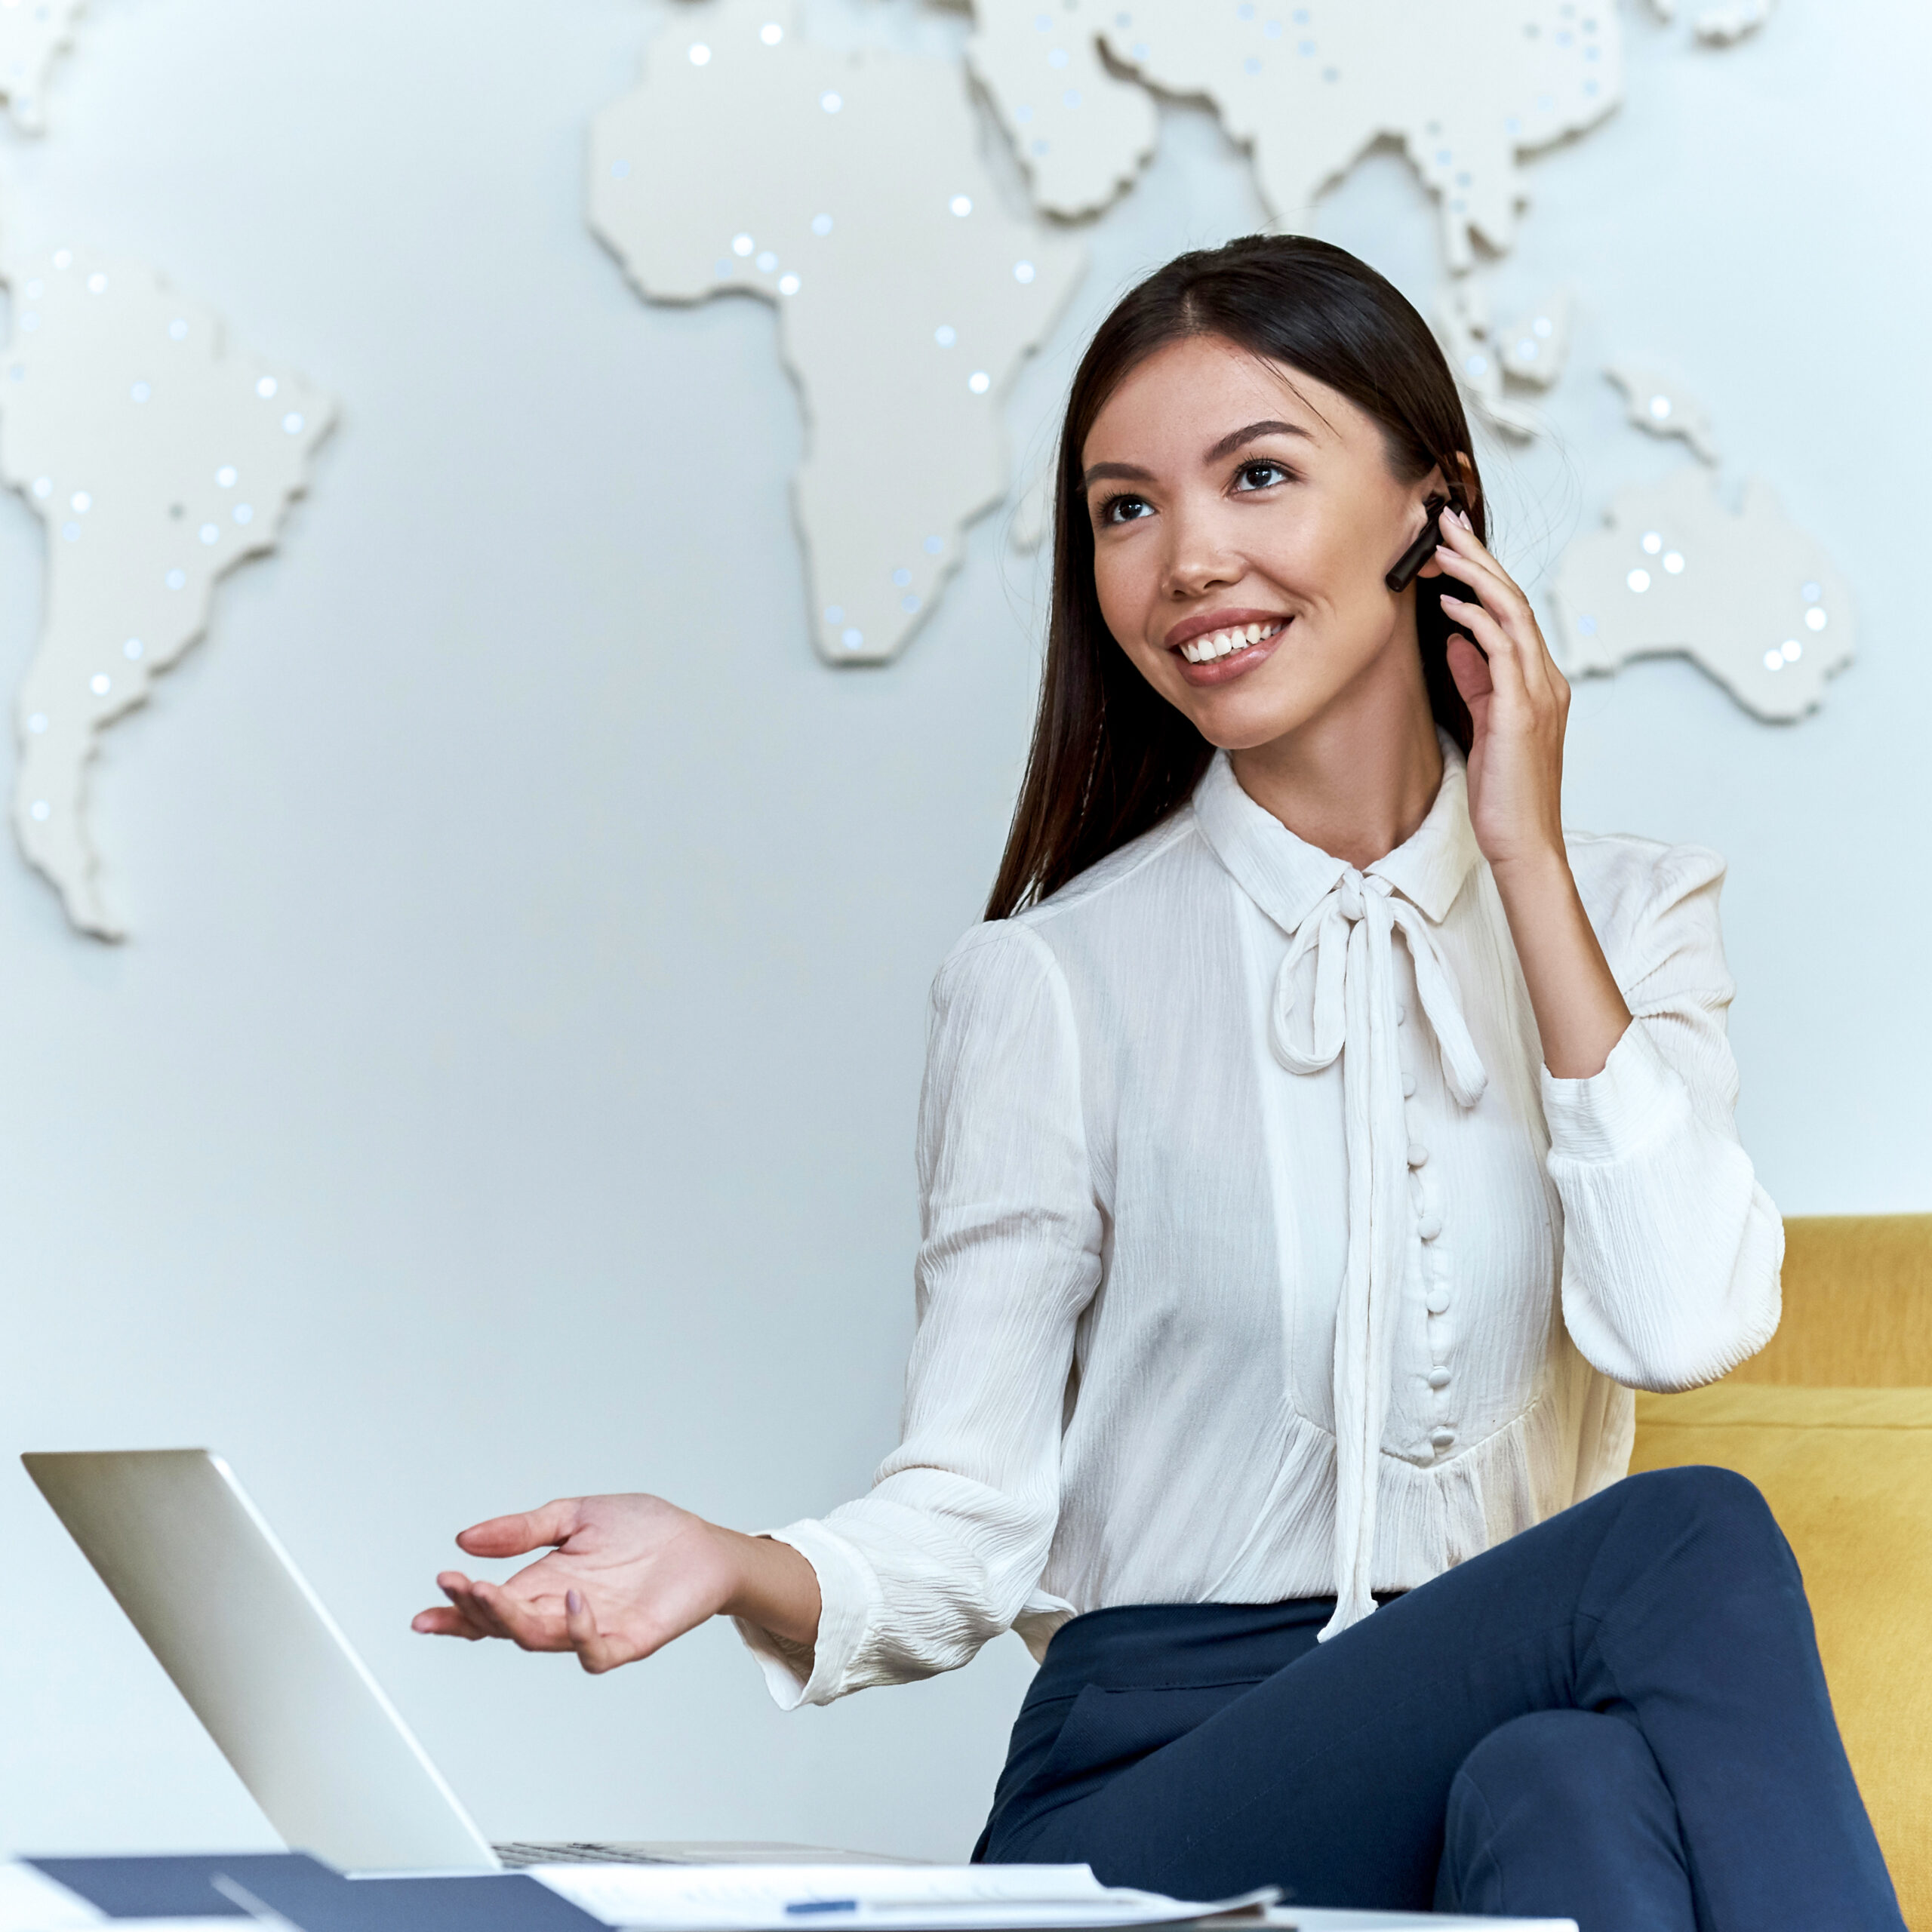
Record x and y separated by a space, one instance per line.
1791 650
620 169
1071 98
945 335
82 501
767 262
1660 408
178 330
908 603
1774 660
35 289
243 513
29 322
788 285
1653 542
1022 271
699 53
43 488
292 423
176 580
853 640
72 531
821 224
902 578
1811 592
831 103
1815 619
1638 581
97 284
63 258
979 382
140 392
132 649
100 684
1673 561
771 33
37 723
40 810
227 476
210 532
833 614
265 387
934 545
960 205
742 244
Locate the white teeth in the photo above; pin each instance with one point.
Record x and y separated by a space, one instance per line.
1219 644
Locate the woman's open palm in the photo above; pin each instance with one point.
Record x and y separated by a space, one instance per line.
625 1575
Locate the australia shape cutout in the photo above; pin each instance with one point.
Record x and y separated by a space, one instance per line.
1746 595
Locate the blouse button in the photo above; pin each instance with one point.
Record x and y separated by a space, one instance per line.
1438 1378
1428 1227
1418 1153
1438 1301
1401 1013
1440 1439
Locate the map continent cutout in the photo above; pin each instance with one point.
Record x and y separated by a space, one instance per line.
1747 595
1662 407
158 459
32 33
1468 91
907 298
1082 133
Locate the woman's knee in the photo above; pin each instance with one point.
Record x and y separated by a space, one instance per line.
1717 1508
1559 1760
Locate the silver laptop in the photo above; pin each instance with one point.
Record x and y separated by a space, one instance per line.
263 1666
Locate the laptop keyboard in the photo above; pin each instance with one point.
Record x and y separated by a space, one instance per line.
520 1852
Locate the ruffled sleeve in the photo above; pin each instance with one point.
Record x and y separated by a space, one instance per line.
1671 1250
946 1550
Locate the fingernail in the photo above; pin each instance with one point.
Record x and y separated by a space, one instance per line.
574 1603
1463 517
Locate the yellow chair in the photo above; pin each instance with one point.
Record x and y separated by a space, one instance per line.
1833 1422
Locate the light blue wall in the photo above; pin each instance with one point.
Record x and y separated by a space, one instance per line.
510 1089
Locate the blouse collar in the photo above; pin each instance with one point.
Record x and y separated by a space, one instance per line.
1287 877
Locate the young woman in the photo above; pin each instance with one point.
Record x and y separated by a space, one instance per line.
1317 1145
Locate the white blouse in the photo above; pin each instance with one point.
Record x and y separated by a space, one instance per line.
1263 1258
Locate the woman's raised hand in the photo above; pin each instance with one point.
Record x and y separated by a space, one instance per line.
1519 703
625 1574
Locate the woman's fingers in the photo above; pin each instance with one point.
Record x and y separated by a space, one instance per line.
1504 666
445 1620
1503 598
518 1535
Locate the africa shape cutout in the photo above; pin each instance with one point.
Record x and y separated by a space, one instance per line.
907 299
158 460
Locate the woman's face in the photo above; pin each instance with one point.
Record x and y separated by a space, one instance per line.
1243 516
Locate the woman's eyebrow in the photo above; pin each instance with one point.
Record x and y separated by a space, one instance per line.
1239 439
1123 473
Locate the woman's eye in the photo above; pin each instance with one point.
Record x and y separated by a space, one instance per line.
1125 509
1260 475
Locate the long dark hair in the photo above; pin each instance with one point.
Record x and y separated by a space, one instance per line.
1111 758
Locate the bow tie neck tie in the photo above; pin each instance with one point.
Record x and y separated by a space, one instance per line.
1351 1016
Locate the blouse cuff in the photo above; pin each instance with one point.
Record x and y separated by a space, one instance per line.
797 1673
1636 1096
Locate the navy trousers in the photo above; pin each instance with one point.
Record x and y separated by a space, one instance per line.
1618 1717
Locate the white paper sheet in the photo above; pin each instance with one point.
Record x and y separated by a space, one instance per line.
823 1898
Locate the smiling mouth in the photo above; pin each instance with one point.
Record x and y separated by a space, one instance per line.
1225 643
